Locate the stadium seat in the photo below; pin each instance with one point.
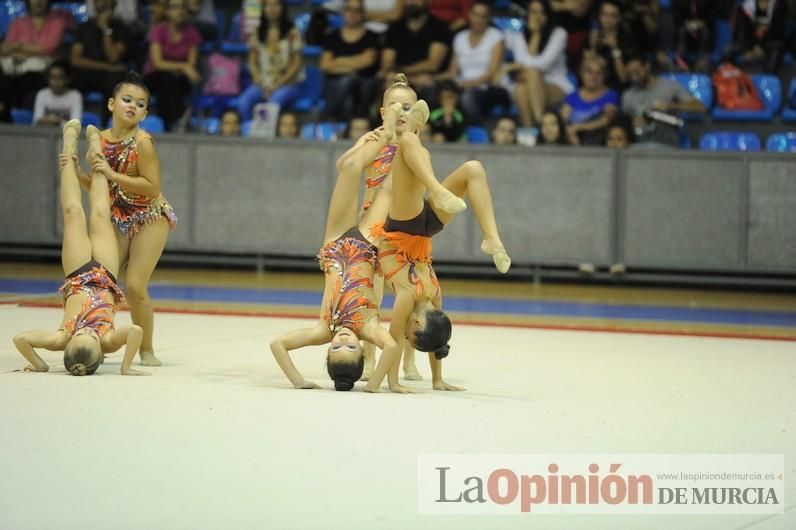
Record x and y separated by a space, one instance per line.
78 10
729 141
90 118
311 91
153 124
245 128
509 24
22 116
722 30
9 10
789 113
94 97
770 91
782 143
324 131
699 86
477 135
234 41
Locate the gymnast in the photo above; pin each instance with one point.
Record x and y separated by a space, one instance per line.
91 296
405 237
127 158
349 311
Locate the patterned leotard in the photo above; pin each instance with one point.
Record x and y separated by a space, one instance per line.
97 312
130 211
377 171
353 259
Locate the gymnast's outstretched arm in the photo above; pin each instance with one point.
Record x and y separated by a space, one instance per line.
28 340
293 340
129 336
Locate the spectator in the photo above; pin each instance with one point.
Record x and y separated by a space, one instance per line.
417 45
380 13
477 59
619 133
648 93
574 16
425 134
759 28
694 21
553 130
202 14
230 123
640 19
357 126
447 122
99 53
539 67
452 12
30 45
124 10
349 61
610 41
590 109
275 60
505 132
288 125
171 69
57 103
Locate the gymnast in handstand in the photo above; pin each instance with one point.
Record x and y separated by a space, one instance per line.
349 312
421 207
91 296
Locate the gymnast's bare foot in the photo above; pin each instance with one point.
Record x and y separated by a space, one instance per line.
148 359
418 114
71 133
93 137
448 201
391 115
499 255
411 373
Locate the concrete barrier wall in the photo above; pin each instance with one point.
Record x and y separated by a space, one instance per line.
658 209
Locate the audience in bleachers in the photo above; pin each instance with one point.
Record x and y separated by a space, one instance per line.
32 42
477 79
99 53
58 103
350 62
589 109
356 127
552 130
418 46
477 60
275 60
505 131
171 70
650 93
538 74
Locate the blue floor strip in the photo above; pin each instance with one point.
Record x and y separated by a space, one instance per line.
453 303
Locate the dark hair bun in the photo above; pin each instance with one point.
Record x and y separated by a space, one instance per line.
343 385
442 352
78 369
133 77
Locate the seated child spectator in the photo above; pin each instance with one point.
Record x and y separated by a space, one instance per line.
57 104
230 123
553 130
505 132
447 121
288 125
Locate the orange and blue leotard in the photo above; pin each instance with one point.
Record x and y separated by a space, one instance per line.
130 211
352 258
97 312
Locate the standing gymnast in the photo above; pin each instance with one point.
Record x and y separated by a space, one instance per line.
349 311
91 296
126 156
405 248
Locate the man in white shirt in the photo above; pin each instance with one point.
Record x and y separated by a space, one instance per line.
57 103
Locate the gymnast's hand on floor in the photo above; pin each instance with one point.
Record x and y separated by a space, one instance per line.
306 385
44 368
131 371
400 389
442 385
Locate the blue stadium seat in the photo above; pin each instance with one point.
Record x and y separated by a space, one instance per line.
22 116
9 10
211 125
93 97
782 143
78 10
770 91
722 30
477 135
324 131
153 124
509 24
789 113
699 86
245 128
311 91
729 141
234 41
91 118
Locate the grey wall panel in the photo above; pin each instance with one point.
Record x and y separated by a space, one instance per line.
772 214
258 197
551 208
684 212
176 164
29 201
